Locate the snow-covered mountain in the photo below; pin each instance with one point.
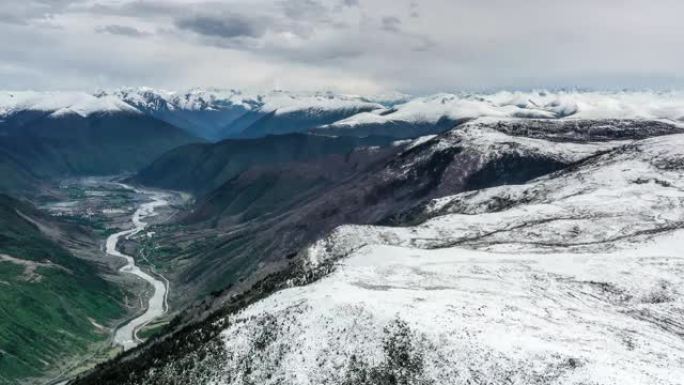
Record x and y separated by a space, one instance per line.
219 114
423 114
45 135
573 277
284 113
209 114
60 103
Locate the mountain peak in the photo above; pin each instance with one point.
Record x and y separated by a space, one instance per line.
92 104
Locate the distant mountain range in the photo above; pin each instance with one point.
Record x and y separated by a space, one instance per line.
212 115
215 114
219 114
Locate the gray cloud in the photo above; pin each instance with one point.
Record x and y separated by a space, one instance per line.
226 26
122 30
351 45
136 8
391 24
414 10
8 18
23 12
311 10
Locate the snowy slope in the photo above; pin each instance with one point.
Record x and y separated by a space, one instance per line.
91 105
191 100
550 105
573 278
282 103
60 103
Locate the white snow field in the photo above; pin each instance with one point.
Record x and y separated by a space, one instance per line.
573 278
533 105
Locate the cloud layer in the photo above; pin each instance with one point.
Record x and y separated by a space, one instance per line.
359 46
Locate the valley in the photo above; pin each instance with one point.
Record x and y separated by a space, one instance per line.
58 302
78 295
239 260
127 335
341 192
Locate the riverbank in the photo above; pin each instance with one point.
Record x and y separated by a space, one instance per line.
126 335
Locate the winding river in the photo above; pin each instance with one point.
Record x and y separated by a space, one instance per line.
126 335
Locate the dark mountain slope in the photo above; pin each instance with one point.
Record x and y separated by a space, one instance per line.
99 144
221 239
268 190
15 176
51 301
395 129
201 168
302 120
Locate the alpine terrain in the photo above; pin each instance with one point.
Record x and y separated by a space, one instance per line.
536 246
212 237
341 192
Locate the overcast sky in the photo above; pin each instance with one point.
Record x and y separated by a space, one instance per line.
354 46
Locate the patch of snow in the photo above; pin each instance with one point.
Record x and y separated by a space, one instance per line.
417 142
490 141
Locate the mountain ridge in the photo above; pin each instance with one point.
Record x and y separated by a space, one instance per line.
221 114
382 274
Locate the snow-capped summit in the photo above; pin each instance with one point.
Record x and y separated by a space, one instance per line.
218 114
280 102
668 106
89 105
215 99
61 103
190 100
